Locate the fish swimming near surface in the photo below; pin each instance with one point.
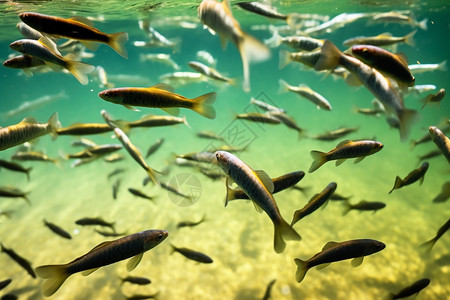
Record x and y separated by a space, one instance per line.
441 141
334 251
19 259
363 206
109 252
75 28
193 255
413 176
414 288
218 17
344 150
429 244
27 130
161 96
58 230
259 187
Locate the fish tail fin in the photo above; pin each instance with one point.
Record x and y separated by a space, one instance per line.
302 268
283 231
275 40
423 24
347 208
117 42
124 125
292 20
406 118
54 276
27 171
329 57
284 86
285 59
203 105
443 66
409 38
398 184
152 174
54 125
185 122
427 246
319 158
79 70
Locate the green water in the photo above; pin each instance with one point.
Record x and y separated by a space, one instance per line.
239 240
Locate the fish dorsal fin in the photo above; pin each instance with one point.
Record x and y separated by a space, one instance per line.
88 272
101 245
29 120
257 207
357 261
323 266
385 34
49 44
174 111
329 245
134 261
342 143
83 20
403 58
265 179
164 87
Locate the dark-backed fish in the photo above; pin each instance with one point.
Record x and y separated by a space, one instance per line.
58 230
135 280
84 129
267 293
434 98
138 193
413 176
15 167
4 283
13 192
414 288
429 244
307 93
444 194
193 255
257 117
34 156
335 134
363 206
190 223
384 39
153 148
94 222
19 259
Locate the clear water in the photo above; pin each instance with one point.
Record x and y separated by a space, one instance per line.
238 239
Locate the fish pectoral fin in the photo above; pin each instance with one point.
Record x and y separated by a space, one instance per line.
47 42
421 179
174 111
130 107
357 261
163 86
340 161
329 245
265 179
134 261
323 266
357 160
88 272
257 207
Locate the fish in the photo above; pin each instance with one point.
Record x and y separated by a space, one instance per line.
422 68
267 293
266 106
109 252
345 149
337 22
110 234
182 78
259 187
75 28
142 296
25 62
83 142
15 167
27 130
24 263
95 151
440 140
150 121
307 93
413 176
309 59
384 39
139 194
279 184
28 32
217 16
257 117
414 288
434 98
210 72
84 129
203 156
430 154
153 148
58 230
314 203
429 244
398 17
363 206
13 192
31 105
288 121
45 50
190 223
373 80
337 251
115 172
156 38
444 194
299 43
338 197
4 283
94 222
193 255
335 134
161 58
206 57
115 188
264 10
34 156
207 134
135 280
160 96
115 157
173 190
6 213
421 88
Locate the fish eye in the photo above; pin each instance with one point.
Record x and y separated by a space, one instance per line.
160 236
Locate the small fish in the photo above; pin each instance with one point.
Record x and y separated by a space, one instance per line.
150 121
171 189
75 28
413 176
337 22
84 129
345 149
161 58
335 134
83 142
15 167
210 72
193 255
434 98
33 156
177 79
263 10
207 134
429 244
218 17
28 32
142 296
267 294
156 38
25 62
13 192
413 289
4 283
204 156
58 230
314 203
110 234
206 57
136 280
397 17
306 92
441 141
338 197
139 194
104 254
94 222
115 188
259 187
334 251
27 130
421 88
115 157
6 213
299 43
190 223
259 118
19 259
153 148
444 194
422 68
288 121
160 96
116 172
266 106
34 104
430 154
363 206
384 39
307 58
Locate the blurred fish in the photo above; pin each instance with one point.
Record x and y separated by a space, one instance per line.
129 79
429 244
27 130
160 96
441 141
206 57
307 58
210 72
434 98
337 22
150 121
13 192
266 106
6 213
376 110
288 121
194 255
94 222
430 154
25 62
104 254
338 197
335 134
115 157
153 148
413 176
110 234
307 93
28 31
203 156
83 142
31 105
171 189
363 206
421 88
266 11
314 203
422 68
135 280
259 118
142 296
258 186
138 193
427 137
444 194
384 39
334 251
116 172
398 17
160 58
177 79
267 294
217 16
24 263
58 230
15 167
97 150
115 188
84 129
345 149
211 135
413 289
34 156
190 223
156 38
300 43
4 283
75 28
